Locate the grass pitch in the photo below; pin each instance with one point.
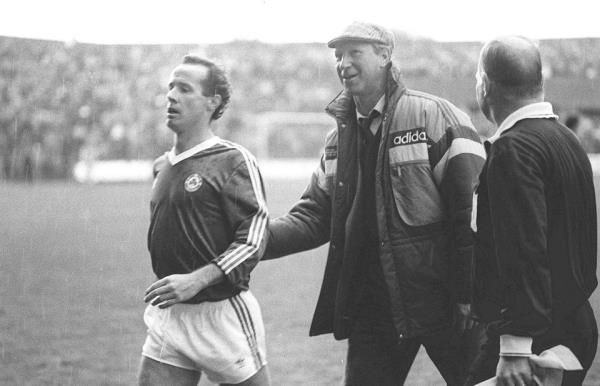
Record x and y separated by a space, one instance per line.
73 268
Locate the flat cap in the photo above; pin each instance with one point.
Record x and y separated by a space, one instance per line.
364 32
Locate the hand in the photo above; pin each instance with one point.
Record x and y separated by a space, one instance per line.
172 289
179 288
462 318
514 371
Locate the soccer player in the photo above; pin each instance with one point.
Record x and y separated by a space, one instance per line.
207 232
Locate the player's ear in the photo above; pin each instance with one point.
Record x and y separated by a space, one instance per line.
485 84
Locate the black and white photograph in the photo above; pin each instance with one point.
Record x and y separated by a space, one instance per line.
299 193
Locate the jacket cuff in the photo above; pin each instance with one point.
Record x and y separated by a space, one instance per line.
515 346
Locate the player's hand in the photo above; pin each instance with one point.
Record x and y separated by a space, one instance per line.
514 371
462 318
172 289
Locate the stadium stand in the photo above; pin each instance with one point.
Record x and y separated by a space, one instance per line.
69 102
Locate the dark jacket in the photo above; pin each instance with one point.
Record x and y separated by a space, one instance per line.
428 162
535 260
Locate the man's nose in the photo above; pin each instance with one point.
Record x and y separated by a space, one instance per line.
171 96
345 62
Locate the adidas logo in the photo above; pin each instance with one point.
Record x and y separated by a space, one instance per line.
409 137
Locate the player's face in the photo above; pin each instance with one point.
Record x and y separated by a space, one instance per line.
187 106
360 68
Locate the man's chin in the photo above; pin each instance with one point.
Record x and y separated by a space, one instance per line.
352 89
172 125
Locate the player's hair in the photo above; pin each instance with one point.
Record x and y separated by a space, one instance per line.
513 72
216 83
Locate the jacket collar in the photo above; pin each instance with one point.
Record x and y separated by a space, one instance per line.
343 105
533 110
379 107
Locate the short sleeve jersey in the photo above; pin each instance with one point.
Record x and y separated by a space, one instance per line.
208 206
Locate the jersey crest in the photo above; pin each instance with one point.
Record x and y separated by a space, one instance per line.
192 183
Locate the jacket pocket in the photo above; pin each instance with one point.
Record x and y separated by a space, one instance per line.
423 266
416 195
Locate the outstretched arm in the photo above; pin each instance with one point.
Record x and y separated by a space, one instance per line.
307 224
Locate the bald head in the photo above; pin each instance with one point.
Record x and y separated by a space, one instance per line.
514 66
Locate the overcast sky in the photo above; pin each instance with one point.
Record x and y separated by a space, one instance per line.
216 21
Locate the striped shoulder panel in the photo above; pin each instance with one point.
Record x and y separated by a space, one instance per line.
460 144
447 112
463 137
250 162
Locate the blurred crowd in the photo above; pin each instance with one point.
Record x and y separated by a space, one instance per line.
586 129
64 102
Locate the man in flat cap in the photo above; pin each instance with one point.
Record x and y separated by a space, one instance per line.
392 194
535 250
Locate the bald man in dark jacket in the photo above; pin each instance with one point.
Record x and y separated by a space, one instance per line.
535 251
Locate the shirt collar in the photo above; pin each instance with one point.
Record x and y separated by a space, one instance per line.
533 110
176 158
378 107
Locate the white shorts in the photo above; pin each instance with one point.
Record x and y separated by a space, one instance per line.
225 339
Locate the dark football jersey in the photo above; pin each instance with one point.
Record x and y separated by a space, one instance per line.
208 206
